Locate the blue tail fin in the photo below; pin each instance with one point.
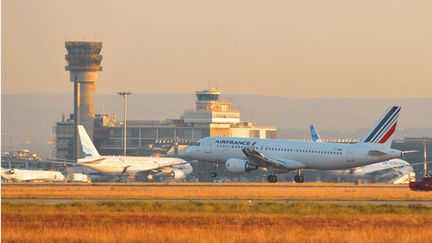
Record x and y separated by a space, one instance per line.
314 133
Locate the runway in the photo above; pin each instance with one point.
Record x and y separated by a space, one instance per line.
286 193
427 203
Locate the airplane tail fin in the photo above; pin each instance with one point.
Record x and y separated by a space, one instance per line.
384 129
88 147
314 133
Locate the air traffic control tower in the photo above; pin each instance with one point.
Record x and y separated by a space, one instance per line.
83 62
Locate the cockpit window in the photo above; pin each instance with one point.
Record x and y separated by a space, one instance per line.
197 144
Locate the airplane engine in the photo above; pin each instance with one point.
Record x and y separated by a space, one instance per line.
178 174
239 166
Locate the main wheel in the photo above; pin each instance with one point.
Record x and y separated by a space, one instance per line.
272 178
302 179
298 178
213 174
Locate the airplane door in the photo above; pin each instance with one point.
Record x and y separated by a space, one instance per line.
350 155
208 148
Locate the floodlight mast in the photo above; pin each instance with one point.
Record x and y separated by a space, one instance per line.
124 94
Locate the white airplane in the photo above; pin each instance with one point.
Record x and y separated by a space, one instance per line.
130 166
242 155
404 168
20 175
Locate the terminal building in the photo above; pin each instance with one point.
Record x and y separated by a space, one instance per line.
211 117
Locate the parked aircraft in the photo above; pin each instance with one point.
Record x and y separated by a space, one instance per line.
20 175
130 166
241 155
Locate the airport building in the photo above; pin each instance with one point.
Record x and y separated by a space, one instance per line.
212 116
83 63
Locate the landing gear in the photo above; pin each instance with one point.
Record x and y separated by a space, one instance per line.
214 173
299 177
272 178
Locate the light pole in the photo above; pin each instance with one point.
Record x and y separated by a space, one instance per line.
124 94
426 172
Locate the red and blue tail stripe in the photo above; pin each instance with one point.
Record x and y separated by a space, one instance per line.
385 127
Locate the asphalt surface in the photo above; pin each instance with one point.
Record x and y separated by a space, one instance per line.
427 203
213 185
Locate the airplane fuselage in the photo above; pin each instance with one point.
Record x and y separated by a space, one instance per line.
32 175
118 165
318 156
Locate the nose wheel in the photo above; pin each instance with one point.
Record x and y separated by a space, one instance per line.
272 178
213 173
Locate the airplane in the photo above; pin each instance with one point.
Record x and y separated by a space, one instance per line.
130 166
389 171
241 155
405 169
20 175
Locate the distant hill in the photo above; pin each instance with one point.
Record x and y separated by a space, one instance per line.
28 120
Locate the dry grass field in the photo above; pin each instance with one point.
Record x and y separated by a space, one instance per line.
207 221
265 191
214 222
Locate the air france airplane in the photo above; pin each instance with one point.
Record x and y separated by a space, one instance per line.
130 165
242 155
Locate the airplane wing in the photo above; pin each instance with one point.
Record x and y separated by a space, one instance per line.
164 168
261 160
58 161
421 163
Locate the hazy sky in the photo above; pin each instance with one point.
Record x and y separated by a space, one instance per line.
301 48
